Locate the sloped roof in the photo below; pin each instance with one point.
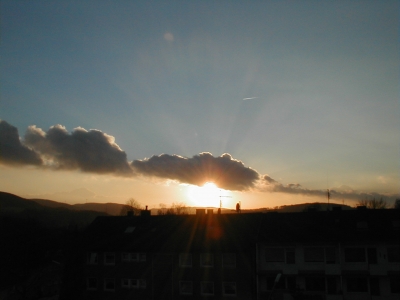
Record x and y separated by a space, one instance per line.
174 233
190 233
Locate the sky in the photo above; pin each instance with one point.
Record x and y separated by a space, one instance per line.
266 103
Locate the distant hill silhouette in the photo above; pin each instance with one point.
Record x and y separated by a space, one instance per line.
46 212
316 206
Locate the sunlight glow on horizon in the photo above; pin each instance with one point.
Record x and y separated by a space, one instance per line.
208 195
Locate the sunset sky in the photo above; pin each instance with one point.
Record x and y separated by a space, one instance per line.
273 101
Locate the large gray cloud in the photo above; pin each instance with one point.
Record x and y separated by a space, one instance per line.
12 151
89 151
224 171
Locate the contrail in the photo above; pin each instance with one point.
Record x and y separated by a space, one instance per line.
251 98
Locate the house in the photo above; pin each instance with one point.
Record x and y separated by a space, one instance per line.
171 257
328 255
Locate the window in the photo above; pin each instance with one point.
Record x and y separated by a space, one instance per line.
92 258
362 225
396 224
314 254
207 288
142 256
109 284
394 285
186 287
229 260
185 260
315 283
374 286
109 258
91 284
126 257
393 254
129 229
142 283
372 256
354 255
330 255
270 283
229 288
133 257
357 284
332 285
130 283
275 254
207 260
290 256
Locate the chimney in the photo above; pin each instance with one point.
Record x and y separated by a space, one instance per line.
200 211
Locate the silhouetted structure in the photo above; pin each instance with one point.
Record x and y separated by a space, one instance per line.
320 255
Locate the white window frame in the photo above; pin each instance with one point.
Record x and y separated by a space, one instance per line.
92 258
91 288
203 285
207 260
106 280
105 259
228 266
184 258
183 283
225 284
130 283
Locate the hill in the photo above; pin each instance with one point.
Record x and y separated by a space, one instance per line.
47 213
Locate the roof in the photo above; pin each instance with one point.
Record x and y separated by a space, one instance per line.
171 233
240 232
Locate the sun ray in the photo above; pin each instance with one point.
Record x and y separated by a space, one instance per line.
207 195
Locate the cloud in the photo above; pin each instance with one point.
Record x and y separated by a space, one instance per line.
88 151
12 151
224 171
268 184
96 152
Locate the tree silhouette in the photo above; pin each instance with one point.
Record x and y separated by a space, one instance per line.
373 203
131 205
397 204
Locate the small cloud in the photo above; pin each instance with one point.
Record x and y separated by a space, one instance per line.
250 98
168 36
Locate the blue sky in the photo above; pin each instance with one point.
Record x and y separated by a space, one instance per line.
169 77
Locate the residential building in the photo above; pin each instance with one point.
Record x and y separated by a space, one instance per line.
311 255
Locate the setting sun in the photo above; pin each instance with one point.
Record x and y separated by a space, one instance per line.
207 195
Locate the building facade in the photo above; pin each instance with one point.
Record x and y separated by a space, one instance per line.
311 255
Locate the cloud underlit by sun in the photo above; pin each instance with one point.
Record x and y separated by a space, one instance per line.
208 195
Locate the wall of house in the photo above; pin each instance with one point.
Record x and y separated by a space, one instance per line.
329 271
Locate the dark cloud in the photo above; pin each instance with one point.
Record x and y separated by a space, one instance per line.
89 151
224 171
12 152
267 184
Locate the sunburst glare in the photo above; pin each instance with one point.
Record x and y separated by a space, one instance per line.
208 195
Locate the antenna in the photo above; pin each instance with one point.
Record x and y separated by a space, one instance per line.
329 195
220 199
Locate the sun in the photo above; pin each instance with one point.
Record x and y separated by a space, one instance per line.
207 195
